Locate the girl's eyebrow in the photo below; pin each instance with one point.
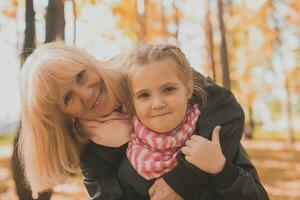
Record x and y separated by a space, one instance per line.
160 87
169 84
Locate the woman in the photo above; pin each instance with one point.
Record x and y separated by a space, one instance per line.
51 80
61 85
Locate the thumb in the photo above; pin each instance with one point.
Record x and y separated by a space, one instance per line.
216 134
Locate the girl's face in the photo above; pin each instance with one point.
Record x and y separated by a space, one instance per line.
159 96
86 97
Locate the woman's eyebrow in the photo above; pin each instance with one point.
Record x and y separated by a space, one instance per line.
80 75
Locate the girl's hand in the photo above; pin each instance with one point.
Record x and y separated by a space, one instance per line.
205 154
160 190
112 130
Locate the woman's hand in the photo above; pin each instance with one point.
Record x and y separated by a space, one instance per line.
205 154
160 190
112 130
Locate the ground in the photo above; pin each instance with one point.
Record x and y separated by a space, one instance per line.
278 165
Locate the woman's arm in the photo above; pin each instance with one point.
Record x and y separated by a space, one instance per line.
99 166
235 181
245 185
223 174
100 160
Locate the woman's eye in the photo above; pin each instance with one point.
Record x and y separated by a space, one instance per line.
169 90
67 98
79 76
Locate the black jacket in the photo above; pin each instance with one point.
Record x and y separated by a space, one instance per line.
99 165
238 180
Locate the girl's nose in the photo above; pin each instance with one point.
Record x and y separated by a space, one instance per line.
158 103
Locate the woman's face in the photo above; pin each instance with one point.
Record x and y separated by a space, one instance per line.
86 97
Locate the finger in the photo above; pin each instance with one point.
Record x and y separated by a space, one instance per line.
152 191
154 197
189 143
85 121
216 134
189 159
89 124
105 120
113 115
197 138
186 150
118 115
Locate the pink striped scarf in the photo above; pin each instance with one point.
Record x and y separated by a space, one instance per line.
154 154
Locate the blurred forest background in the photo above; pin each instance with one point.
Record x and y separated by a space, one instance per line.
251 47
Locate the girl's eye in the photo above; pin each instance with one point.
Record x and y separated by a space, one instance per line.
79 76
143 96
169 90
67 98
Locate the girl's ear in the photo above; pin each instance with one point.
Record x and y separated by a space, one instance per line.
190 89
189 93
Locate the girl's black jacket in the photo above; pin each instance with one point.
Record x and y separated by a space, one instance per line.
238 180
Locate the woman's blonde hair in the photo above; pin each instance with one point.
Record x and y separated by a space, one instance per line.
156 52
49 146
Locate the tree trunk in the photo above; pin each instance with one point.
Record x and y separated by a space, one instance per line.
224 54
141 20
163 20
249 128
74 22
22 190
289 110
277 45
210 40
55 21
176 11
29 39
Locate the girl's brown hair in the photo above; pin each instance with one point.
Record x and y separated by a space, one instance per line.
157 52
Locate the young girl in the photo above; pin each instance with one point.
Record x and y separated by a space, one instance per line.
161 83
164 117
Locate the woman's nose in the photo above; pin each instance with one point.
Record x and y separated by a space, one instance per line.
158 103
85 93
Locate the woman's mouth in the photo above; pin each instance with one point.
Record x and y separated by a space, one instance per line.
98 99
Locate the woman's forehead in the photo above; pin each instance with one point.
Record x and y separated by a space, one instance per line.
62 71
